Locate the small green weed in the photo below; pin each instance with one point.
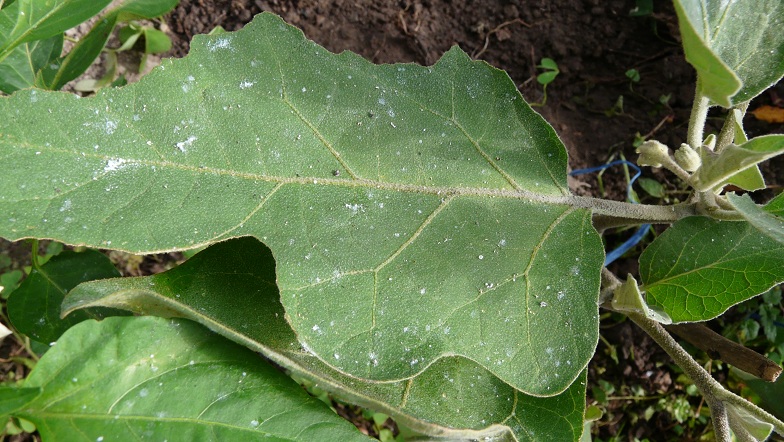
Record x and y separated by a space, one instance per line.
545 78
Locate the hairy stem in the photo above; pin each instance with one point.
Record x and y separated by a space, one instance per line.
699 113
715 394
616 213
714 206
721 421
701 378
610 282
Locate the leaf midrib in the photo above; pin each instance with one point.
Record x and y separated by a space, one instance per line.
443 191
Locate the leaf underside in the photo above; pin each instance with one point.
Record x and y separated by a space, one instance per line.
736 47
767 220
230 288
423 211
737 161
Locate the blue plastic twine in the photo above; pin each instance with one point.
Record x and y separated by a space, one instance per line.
638 235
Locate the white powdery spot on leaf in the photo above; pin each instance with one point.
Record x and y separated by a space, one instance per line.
107 126
220 43
183 145
114 164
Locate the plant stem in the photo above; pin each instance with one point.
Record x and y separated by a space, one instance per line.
715 394
675 168
721 421
616 213
610 282
699 113
710 204
34 256
27 346
701 378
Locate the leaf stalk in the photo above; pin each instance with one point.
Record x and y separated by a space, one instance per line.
715 394
699 114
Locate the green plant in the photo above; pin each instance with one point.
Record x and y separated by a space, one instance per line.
403 237
153 40
633 75
551 71
32 34
642 8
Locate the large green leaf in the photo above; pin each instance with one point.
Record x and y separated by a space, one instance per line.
131 378
700 267
737 46
34 307
424 210
230 288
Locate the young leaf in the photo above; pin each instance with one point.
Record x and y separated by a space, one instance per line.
230 288
700 267
766 222
753 425
652 187
133 378
548 63
90 46
155 41
750 179
736 58
546 78
34 307
128 36
627 298
424 209
720 168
